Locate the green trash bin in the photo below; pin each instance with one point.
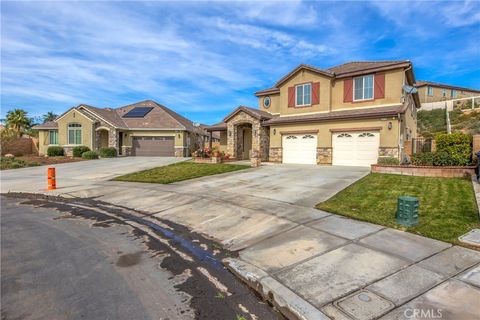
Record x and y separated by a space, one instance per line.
407 211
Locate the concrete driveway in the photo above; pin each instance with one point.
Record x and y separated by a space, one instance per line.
311 261
78 175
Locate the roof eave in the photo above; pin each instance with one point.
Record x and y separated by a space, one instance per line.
375 69
342 117
300 67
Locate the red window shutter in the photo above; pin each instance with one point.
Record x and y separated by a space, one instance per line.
316 93
379 86
347 90
291 97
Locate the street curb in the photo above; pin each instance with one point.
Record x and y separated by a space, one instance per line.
286 301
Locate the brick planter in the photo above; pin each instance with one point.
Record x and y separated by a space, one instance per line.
425 171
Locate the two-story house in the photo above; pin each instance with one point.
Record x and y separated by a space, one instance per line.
350 114
434 92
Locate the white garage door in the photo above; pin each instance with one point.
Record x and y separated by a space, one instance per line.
355 148
300 148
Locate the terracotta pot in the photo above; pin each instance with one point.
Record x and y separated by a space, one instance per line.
216 154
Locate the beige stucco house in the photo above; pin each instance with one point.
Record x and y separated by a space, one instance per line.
350 114
434 92
145 128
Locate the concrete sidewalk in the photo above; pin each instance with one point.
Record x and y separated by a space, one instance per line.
309 263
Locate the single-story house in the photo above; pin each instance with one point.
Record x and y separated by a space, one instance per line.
144 128
350 114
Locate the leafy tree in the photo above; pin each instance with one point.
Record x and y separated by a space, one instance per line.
49 116
18 121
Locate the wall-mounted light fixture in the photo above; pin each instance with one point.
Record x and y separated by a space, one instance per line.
274 131
229 133
255 133
390 125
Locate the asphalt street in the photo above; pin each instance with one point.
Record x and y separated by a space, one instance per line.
79 260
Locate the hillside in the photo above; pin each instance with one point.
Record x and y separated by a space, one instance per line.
434 121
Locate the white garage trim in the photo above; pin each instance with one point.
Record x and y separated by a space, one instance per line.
355 148
299 148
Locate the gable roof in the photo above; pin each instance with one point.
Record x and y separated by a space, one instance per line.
421 83
348 69
46 125
160 117
256 113
340 115
366 66
304 67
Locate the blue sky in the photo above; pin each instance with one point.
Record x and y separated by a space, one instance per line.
203 59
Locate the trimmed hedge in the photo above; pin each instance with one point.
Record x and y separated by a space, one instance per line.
90 155
78 151
55 151
457 147
388 161
110 152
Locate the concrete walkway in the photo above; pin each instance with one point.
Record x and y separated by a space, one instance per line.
311 264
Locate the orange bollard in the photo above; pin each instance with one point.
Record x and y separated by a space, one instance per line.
52 183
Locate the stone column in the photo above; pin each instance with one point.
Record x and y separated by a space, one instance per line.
209 141
232 140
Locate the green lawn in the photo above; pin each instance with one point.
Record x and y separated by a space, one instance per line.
447 205
179 172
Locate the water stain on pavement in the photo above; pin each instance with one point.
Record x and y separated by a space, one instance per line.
175 242
129 259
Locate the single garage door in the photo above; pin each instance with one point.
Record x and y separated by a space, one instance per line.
299 148
153 146
355 148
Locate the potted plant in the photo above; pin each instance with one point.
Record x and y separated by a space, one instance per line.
216 152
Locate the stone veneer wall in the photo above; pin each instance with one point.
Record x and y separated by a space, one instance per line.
275 154
179 152
388 152
324 155
112 135
232 133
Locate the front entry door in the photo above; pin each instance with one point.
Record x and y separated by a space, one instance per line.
247 143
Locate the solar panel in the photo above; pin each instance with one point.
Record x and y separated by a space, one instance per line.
138 112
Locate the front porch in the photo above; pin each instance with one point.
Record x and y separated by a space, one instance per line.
243 133
106 137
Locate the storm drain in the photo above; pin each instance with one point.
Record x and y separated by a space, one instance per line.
364 305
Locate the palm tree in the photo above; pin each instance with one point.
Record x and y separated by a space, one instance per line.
17 120
49 116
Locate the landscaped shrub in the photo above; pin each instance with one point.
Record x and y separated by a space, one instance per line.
12 163
443 159
78 151
55 151
90 155
110 152
457 145
423 159
388 161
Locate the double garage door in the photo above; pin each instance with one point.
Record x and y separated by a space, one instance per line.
159 146
348 148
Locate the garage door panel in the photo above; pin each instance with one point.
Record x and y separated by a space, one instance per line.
355 148
299 148
149 146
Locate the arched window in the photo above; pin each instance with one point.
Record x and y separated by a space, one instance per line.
366 134
74 133
291 137
308 136
344 135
